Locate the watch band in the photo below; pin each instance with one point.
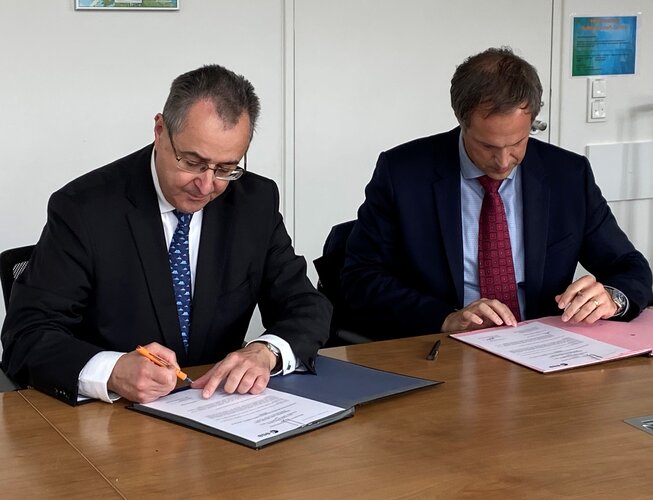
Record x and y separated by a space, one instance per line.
277 354
619 298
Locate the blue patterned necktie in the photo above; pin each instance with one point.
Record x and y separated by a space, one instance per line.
180 269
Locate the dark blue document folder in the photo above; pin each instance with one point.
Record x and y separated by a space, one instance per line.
338 383
346 384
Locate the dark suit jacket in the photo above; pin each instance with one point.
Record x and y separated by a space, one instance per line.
404 267
99 279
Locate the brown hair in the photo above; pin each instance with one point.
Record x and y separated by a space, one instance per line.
496 80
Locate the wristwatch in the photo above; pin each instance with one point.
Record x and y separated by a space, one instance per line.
619 298
277 354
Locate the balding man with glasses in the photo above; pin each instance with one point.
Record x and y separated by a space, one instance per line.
172 248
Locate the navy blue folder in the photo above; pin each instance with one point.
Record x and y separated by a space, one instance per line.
339 383
345 384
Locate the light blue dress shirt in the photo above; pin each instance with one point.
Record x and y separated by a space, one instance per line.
471 199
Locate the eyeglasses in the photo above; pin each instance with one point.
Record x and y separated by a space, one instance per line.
221 171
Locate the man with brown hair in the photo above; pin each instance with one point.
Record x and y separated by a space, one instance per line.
484 226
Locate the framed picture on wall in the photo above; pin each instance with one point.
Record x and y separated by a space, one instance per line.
126 4
604 45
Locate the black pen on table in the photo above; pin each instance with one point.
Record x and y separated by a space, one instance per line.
433 355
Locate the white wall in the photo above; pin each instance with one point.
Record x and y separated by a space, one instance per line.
371 74
629 104
81 88
339 81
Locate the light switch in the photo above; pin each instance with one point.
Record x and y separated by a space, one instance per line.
597 99
598 109
599 87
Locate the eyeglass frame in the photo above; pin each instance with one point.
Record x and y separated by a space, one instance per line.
238 170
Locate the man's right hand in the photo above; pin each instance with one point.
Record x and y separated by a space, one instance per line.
482 313
140 380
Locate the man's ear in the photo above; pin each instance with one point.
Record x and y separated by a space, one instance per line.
159 125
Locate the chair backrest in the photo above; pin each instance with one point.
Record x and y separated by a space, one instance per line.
328 266
12 263
344 328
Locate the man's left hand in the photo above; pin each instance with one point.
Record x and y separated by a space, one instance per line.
586 300
242 371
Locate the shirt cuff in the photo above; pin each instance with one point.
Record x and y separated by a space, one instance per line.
95 375
288 359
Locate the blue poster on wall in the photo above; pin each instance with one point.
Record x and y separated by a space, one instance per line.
604 46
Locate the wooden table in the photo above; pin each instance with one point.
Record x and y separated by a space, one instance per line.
493 430
36 461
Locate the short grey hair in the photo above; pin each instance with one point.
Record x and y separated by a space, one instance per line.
231 94
496 80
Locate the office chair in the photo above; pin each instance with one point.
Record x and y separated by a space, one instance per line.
328 268
12 263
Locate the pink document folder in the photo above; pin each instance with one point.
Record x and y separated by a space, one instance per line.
624 340
635 335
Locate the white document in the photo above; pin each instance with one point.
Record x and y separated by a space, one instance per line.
250 419
543 347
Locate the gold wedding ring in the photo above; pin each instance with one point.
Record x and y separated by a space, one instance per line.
596 303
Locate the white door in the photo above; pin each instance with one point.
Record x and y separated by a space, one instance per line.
371 74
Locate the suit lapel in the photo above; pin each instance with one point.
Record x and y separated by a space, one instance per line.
446 193
535 199
147 231
212 264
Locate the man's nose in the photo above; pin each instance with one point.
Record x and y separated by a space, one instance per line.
504 158
204 182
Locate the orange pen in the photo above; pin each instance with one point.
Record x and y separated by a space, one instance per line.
157 360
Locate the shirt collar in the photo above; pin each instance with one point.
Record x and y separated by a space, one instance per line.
164 205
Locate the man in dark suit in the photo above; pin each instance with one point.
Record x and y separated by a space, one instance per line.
101 280
426 256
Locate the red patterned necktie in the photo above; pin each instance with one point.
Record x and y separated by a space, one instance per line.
496 270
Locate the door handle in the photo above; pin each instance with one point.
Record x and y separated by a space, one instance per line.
538 126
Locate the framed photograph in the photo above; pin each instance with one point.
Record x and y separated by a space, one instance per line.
126 4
